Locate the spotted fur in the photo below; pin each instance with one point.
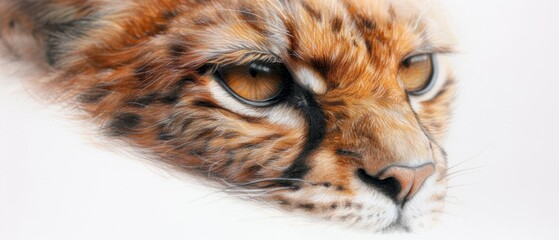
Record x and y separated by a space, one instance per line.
142 70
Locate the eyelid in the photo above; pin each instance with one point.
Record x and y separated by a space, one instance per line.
428 49
242 57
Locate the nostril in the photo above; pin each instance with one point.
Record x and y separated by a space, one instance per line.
400 183
390 186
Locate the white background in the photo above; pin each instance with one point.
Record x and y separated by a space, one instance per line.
56 184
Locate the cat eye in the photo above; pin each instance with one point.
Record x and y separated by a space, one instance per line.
418 73
258 83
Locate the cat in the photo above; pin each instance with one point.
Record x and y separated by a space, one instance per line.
334 108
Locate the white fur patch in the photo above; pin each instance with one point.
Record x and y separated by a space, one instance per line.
310 80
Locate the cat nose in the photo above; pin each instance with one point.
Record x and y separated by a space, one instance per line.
400 183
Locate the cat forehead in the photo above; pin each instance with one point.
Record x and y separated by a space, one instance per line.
304 30
311 37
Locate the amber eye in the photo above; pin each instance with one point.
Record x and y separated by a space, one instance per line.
256 83
418 73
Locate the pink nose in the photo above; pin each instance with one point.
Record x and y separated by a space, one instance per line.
400 183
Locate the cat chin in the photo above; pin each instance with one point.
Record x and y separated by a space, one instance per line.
368 209
422 211
419 213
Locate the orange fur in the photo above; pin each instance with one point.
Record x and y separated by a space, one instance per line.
139 69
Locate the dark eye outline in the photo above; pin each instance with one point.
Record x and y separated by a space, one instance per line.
280 96
432 79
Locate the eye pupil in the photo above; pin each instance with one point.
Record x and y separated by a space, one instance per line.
253 72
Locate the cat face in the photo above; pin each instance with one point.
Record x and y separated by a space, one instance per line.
331 108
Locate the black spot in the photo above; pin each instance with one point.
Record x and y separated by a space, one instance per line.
165 129
185 124
95 94
142 73
62 32
170 98
327 184
12 24
158 28
124 123
322 66
205 104
167 15
145 101
174 95
177 49
252 170
340 188
205 133
306 206
204 69
230 158
334 206
165 136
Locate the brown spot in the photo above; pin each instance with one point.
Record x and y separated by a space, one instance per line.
95 94
250 18
144 101
313 13
369 46
253 170
335 103
306 206
177 49
230 135
336 24
124 123
167 15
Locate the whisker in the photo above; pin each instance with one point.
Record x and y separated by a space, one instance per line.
458 172
460 185
270 180
269 191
